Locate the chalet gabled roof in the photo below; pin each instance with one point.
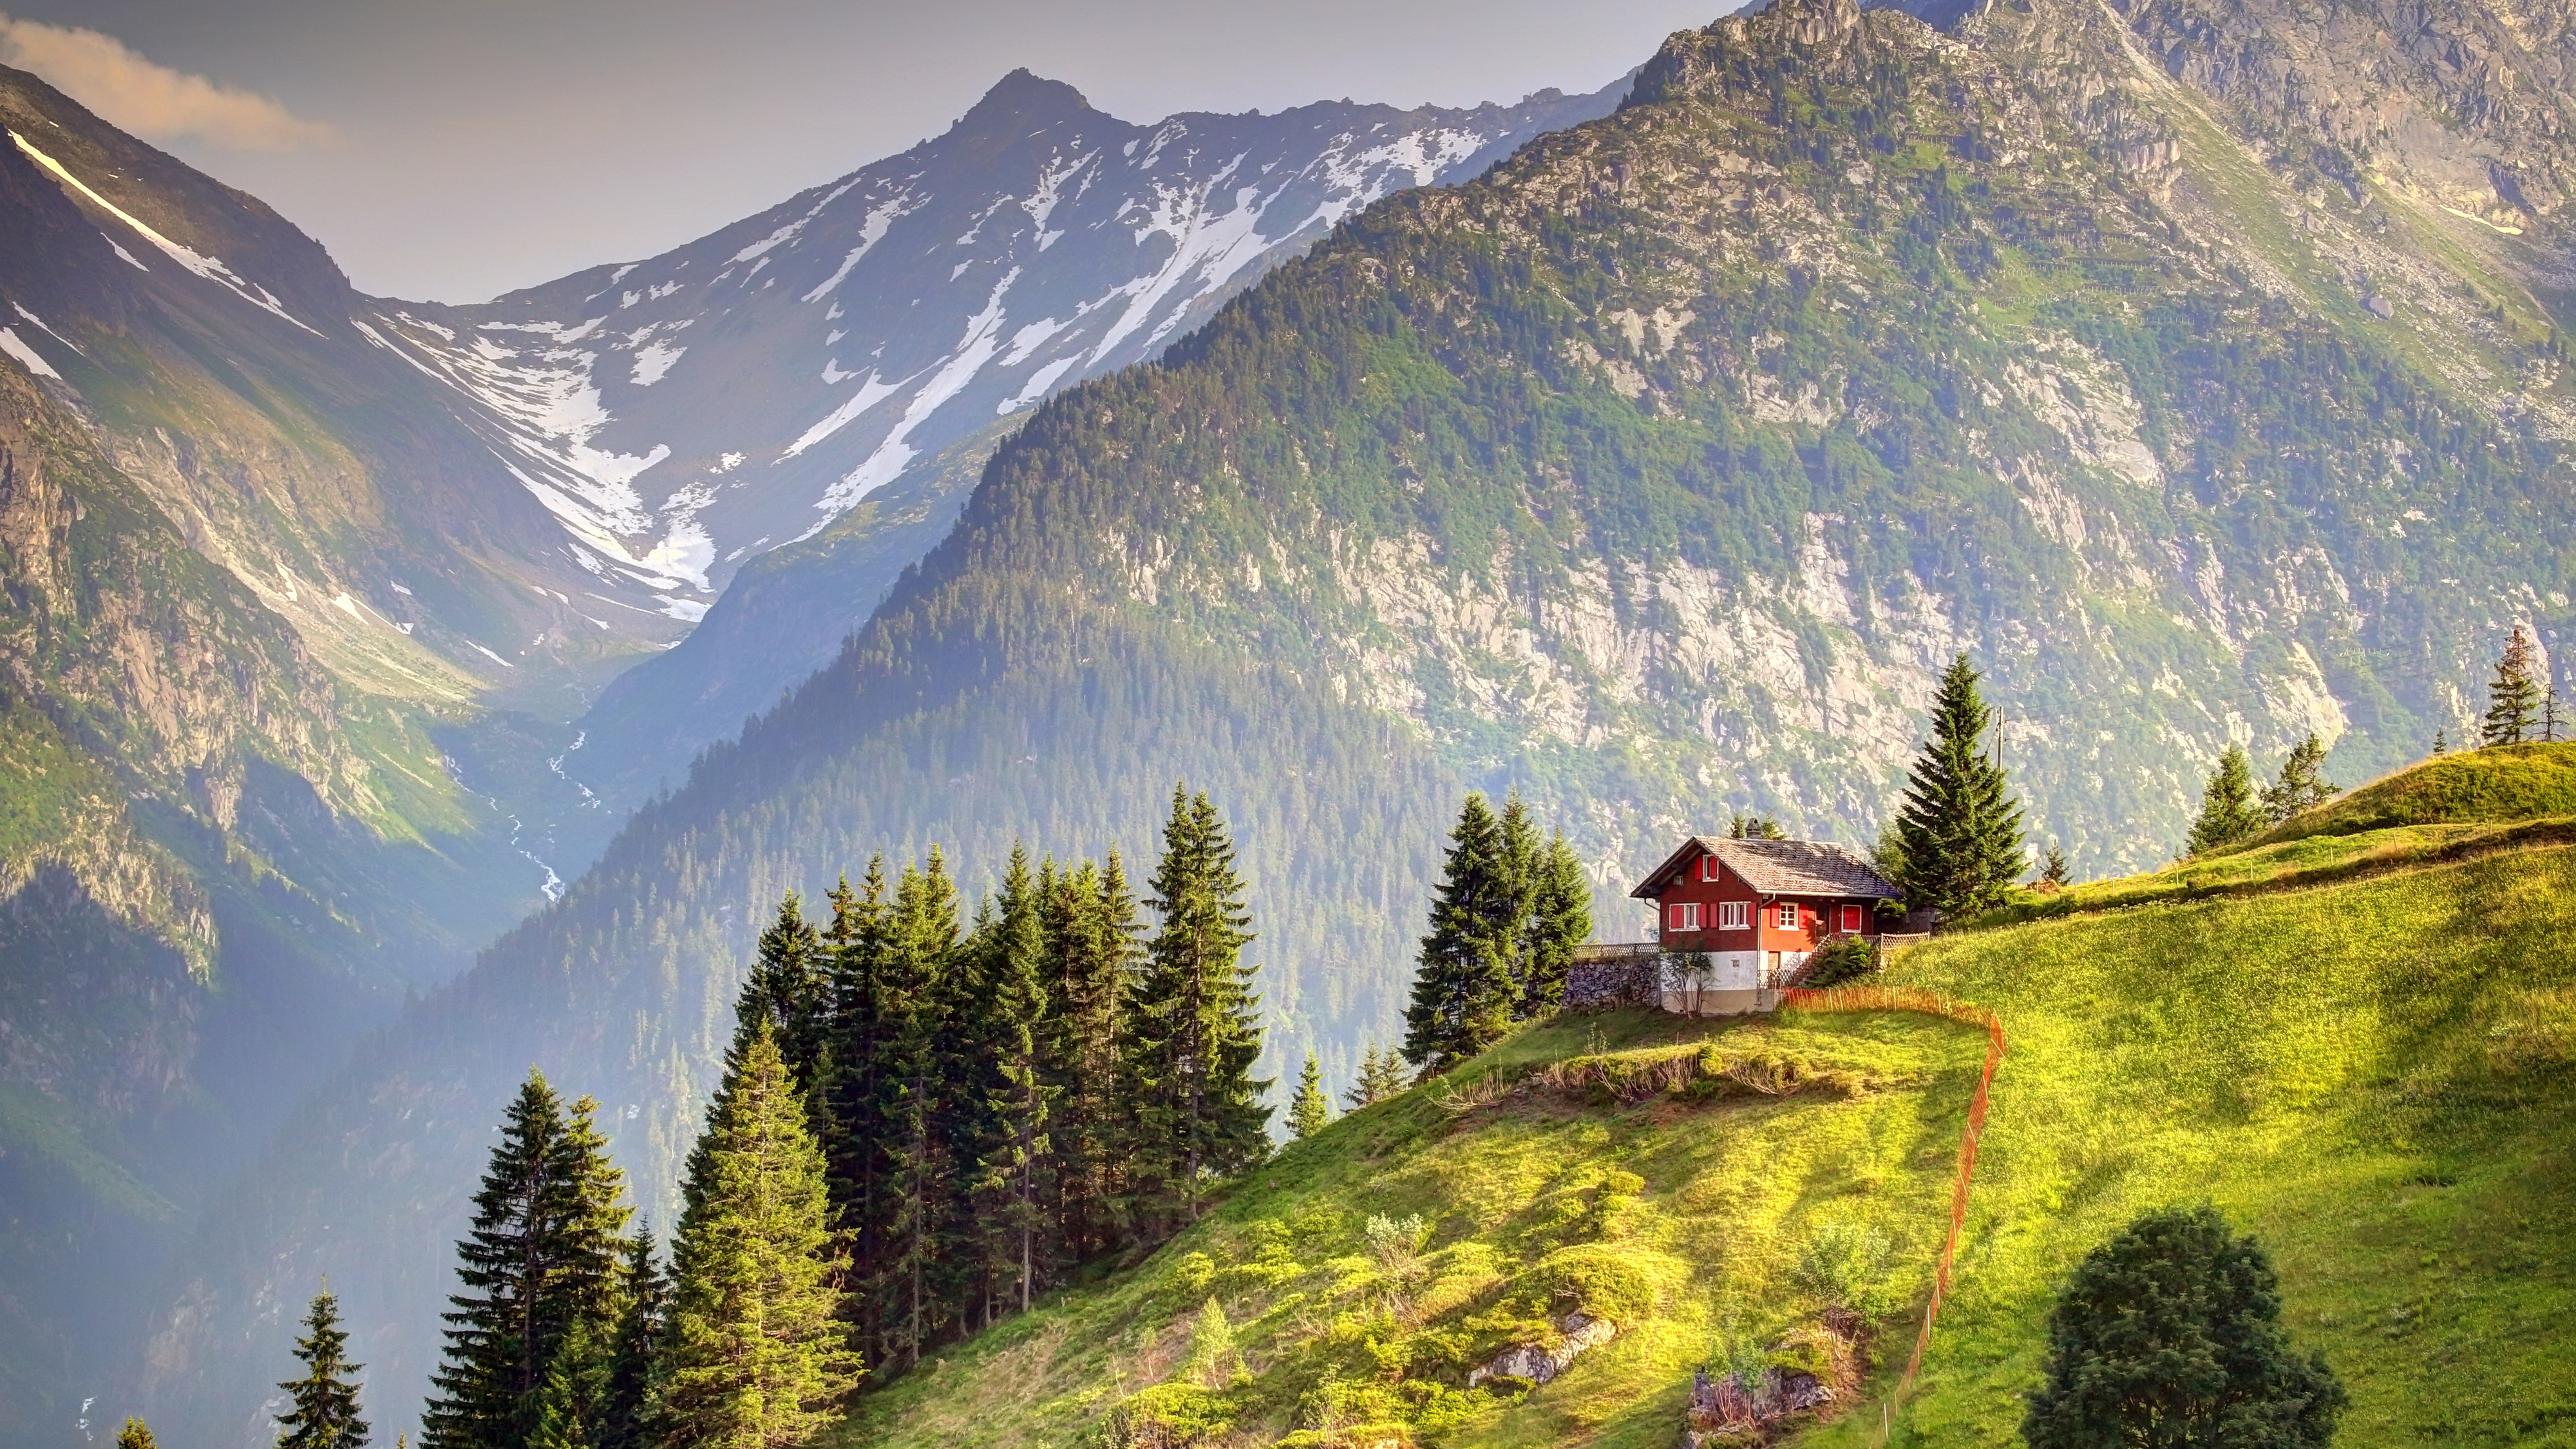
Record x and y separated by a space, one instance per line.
1780 868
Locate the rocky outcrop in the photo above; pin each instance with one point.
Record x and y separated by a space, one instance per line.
1810 1371
1576 1335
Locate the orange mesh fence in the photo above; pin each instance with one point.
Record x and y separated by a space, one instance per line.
1930 1003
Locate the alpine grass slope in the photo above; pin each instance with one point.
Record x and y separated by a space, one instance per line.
1657 472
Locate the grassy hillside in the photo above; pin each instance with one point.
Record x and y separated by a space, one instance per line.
2507 782
1676 1217
2372 1075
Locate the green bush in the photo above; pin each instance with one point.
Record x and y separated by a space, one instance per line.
1844 1264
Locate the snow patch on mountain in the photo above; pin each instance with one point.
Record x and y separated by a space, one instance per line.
210 268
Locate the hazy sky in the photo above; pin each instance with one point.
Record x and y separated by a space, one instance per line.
454 150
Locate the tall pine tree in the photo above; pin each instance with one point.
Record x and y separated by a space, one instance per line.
634 1352
1560 919
2513 696
540 1254
755 1354
1195 1028
2228 813
790 986
1014 1168
1091 942
1958 835
322 1410
856 1096
1463 993
913 992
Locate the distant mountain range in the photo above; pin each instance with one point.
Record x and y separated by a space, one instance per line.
307 588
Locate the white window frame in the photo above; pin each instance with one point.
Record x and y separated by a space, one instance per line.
1690 915
1784 916
1852 919
1708 867
1735 915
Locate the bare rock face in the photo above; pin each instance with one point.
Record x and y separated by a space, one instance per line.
1578 1334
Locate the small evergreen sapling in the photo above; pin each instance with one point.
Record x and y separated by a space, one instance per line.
2056 874
135 1435
1382 1075
2513 697
2302 785
323 1404
1310 1109
2170 1334
2228 809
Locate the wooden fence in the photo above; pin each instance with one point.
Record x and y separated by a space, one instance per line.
1930 1003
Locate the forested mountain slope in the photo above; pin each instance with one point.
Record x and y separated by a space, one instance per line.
1655 472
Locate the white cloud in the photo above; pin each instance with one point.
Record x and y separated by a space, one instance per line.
149 99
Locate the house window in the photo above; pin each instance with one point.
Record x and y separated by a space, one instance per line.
1708 867
1734 915
1787 920
1690 915
1851 919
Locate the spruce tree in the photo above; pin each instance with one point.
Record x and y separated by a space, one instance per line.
1958 835
2170 1335
135 1435
1463 993
2056 872
2441 742
625 1419
1013 1171
1520 857
2228 812
854 1128
1381 1076
541 1253
322 1411
754 1354
1194 1026
2302 784
1310 1109
572 1405
2513 698
922 951
790 985
1091 941
1560 919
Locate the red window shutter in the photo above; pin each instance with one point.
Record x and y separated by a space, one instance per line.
1851 918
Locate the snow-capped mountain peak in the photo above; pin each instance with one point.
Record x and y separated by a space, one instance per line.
680 413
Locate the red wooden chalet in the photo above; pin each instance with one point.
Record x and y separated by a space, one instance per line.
1755 909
